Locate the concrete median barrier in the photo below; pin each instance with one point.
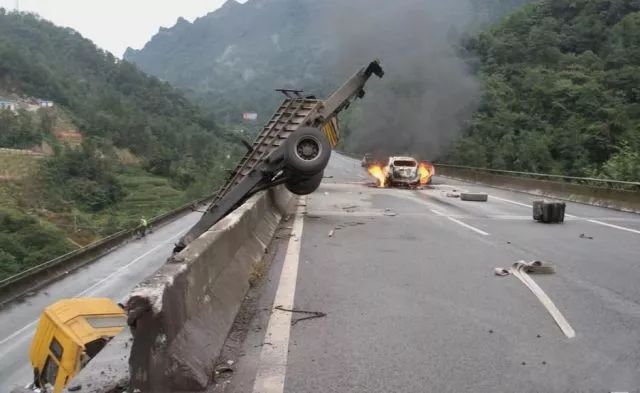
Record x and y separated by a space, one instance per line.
180 317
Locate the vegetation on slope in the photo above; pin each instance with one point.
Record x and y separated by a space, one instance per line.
80 193
560 91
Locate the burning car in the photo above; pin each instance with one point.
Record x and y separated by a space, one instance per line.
402 172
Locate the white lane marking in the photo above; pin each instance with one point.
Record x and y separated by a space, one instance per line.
30 324
88 290
510 201
614 226
273 358
464 224
576 217
18 332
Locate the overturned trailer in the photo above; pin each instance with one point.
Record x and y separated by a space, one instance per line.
293 148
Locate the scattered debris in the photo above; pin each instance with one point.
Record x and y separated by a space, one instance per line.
349 207
74 388
490 330
548 212
583 236
390 213
543 362
500 271
331 233
474 196
223 370
230 362
326 193
327 177
524 363
313 314
520 270
453 195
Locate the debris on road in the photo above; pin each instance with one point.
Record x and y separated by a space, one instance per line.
583 236
452 195
548 212
331 233
500 271
474 196
520 270
313 314
223 370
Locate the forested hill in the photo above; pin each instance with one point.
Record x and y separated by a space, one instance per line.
561 91
107 97
111 144
233 58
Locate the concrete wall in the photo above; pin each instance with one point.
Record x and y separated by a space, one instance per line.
605 197
180 317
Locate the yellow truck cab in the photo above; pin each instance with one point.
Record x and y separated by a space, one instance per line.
69 334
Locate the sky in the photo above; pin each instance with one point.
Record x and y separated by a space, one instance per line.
115 25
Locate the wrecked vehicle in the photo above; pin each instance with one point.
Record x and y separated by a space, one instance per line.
293 149
402 172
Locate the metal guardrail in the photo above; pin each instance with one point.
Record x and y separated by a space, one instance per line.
106 244
609 183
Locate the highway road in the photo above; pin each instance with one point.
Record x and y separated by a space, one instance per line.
111 276
406 279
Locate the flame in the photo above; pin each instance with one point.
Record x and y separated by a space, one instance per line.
378 173
426 171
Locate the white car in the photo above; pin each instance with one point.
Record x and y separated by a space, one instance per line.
402 171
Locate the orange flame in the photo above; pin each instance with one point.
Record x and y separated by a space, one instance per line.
378 173
426 171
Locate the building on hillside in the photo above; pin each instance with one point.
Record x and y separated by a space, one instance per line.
8 104
45 103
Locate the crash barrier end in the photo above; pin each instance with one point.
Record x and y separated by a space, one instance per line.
601 195
37 276
180 316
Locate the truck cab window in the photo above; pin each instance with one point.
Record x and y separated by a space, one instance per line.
50 372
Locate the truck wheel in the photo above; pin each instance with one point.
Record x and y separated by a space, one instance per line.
473 196
306 185
307 151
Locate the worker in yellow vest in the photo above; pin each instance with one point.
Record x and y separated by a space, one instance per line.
144 225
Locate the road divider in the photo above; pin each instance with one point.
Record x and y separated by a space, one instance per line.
180 316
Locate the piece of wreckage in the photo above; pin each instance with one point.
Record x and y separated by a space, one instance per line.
406 172
293 149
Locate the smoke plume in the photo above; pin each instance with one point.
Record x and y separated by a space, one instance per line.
427 93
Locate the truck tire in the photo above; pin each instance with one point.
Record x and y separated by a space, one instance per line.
474 196
307 151
305 186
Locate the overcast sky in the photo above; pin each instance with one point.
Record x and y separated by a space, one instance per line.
116 24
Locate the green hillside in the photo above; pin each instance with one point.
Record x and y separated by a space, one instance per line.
144 147
560 91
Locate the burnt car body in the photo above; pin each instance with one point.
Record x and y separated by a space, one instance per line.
402 171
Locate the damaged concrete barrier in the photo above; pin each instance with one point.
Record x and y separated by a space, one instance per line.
180 317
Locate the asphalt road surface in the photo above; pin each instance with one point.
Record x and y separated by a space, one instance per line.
111 276
406 279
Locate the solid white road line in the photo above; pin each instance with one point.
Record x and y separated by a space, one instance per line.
110 276
273 358
576 217
86 291
614 226
464 224
510 201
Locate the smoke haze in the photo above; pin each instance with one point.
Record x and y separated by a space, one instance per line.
427 93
